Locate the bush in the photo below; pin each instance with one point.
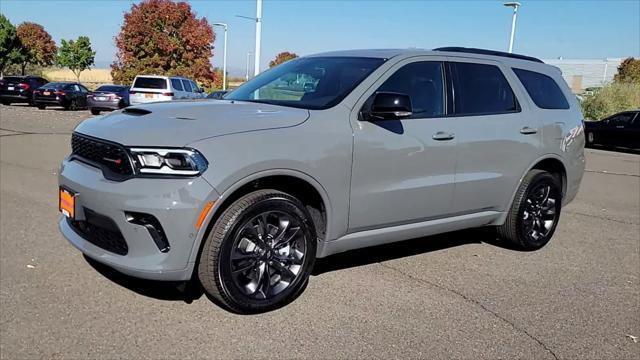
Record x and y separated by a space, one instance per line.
611 99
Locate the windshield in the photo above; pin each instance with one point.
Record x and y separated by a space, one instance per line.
308 83
54 85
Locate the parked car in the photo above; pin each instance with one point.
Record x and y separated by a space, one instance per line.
19 89
108 98
217 95
321 155
151 88
69 95
619 130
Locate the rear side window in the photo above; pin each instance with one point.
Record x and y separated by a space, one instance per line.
177 84
544 91
150 83
481 89
187 85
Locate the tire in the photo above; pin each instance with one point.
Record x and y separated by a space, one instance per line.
533 218
95 112
73 105
237 283
591 138
6 103
41 107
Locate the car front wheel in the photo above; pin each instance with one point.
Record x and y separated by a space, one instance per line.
95 112
535 211
259 253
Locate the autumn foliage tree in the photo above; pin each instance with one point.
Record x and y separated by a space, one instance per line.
282 57
628 71
163 37
37 47
9 42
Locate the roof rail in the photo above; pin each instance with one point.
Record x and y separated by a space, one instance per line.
487 52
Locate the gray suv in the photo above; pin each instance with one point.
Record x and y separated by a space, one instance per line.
321 155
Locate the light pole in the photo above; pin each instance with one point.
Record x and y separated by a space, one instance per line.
246 77
258 20
515 6
224 60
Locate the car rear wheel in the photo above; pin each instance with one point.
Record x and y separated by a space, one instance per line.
7 103
73 105
591 139
259 253
95 112
41 107
535 211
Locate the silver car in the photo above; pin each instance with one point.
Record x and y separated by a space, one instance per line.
321 155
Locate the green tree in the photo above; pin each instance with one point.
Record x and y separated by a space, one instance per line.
612 98
76 55
37 46
628 71
9 42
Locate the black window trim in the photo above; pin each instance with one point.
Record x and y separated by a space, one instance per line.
450 72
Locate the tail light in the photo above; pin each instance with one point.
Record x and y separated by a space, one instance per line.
89 95
132 92
24 86
58 92
167 94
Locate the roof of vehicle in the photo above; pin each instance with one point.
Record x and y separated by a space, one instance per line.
451 51
164 77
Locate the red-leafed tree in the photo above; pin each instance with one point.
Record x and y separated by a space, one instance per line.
282 57
37 46
163 37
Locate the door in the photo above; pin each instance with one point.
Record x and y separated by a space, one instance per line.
82 96
496 139
178 89
616 130
403 170
187 89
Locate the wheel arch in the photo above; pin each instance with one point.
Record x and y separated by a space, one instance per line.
296 183
548 162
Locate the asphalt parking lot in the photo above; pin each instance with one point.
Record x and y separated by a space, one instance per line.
457 295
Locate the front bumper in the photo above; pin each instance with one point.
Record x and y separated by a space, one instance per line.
175 203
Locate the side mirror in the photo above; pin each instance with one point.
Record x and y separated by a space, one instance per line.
390 106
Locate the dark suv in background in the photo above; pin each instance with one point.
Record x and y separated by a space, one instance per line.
19 89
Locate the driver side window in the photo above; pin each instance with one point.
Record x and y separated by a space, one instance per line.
423 82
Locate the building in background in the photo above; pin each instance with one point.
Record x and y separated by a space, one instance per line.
581 74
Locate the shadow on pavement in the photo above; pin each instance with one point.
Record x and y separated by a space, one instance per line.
397 250
161 290
192 290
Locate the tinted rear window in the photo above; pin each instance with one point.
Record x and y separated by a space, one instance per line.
150 83
111 88
544 91
13 79
481 89
54 85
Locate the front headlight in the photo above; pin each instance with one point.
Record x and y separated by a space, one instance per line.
168 162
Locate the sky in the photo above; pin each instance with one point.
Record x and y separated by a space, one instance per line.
547 29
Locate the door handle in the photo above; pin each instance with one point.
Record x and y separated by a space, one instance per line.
443 136
528 130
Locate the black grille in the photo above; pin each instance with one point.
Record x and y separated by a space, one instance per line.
101 231
106 155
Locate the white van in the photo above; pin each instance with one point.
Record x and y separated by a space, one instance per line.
153 88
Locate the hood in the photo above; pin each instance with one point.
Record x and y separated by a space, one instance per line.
179 123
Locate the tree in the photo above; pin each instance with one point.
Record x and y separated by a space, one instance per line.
37 46
76 55
9 42
163 37
281 58
628 71
611 99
